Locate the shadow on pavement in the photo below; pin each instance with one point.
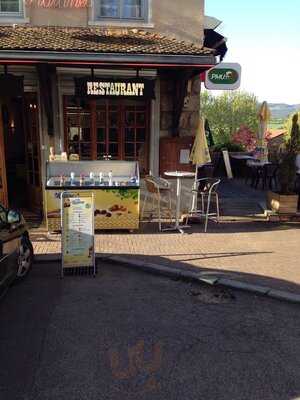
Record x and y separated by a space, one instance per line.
185 265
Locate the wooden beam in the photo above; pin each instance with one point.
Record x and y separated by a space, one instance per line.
180 91
45 73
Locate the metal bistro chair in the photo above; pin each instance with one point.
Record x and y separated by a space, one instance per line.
250 174
206 188
270 175
160 191
267 175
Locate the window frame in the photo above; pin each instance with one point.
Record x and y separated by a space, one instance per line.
145 4
14 14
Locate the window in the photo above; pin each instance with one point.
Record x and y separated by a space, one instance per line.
79 128
121 9
11 7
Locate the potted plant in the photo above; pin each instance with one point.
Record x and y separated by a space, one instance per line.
285 201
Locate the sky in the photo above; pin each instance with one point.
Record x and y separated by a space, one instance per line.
264 37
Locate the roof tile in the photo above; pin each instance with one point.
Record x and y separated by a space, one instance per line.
98 40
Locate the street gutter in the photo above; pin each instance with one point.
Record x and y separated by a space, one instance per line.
209 278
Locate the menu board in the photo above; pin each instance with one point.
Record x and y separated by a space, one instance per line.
77 230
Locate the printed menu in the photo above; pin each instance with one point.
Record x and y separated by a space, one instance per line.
77 230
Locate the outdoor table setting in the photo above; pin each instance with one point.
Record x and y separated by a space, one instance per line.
199 156
179 175
257 170
239 164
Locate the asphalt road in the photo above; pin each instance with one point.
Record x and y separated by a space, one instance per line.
129 335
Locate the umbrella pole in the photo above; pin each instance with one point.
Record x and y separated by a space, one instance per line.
195 193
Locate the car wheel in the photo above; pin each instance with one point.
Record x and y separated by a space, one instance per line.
25 258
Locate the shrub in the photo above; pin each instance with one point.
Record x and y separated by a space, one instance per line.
234 147
287 167
245 137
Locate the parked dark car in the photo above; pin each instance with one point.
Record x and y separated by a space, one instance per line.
16 251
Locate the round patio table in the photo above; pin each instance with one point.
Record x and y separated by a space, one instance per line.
178 175
257 163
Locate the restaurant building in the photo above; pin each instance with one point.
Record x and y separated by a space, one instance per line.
104 79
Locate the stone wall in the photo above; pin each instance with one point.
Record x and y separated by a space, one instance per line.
190 114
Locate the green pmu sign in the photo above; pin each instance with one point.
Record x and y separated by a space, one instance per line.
225 76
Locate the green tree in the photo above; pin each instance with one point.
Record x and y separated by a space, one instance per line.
287 167
229 111
289 123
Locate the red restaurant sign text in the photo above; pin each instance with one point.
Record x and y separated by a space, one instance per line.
58 3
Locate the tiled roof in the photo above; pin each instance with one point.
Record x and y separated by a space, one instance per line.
94 40
274 133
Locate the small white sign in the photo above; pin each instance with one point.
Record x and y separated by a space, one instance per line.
184 156
227 164
225 76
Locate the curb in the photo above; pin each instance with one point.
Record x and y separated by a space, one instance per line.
204 277
209 278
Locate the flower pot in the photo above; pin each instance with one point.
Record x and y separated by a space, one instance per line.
282 203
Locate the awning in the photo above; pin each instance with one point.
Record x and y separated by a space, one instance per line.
216 41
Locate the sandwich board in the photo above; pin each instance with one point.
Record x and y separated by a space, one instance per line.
77 233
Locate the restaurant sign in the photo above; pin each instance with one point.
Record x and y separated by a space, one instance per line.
225 76
131 88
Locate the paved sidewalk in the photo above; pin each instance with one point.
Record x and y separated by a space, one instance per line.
244 246
256 252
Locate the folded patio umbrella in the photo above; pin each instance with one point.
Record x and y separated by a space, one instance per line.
200 152
264 115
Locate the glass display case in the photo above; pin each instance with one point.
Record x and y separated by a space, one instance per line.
115 184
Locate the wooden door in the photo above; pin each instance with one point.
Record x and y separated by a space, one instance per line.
33 152
3 181
170 149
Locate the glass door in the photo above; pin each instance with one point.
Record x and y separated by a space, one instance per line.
135 123
32 150
108 129
78 126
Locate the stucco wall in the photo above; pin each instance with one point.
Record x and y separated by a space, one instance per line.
57 16
178 18
175 18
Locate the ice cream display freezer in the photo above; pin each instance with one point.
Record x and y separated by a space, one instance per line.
116 188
